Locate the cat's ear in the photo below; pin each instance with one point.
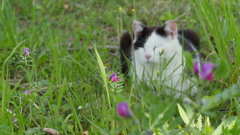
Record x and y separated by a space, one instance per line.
170 27
137 28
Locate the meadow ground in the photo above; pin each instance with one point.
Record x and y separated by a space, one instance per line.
68 84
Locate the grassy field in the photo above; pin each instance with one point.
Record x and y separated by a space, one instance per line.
68 80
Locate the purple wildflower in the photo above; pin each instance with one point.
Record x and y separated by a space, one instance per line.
206 72
114 77
26 92
123 110
26 51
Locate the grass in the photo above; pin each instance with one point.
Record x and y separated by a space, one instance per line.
64 72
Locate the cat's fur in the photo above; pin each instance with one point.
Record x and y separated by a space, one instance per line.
159 48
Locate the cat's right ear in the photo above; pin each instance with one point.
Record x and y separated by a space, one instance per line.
137 28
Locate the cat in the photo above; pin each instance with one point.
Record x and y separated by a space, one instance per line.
159 49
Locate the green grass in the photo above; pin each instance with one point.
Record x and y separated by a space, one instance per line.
64 72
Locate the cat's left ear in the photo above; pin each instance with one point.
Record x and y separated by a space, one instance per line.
170 27
137 28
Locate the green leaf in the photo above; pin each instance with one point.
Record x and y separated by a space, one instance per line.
41 58
207 103
176 131
234 90
235 130
208 122
118 91
194 131
207 130
226 94
67 118
16 85
217 98
101 65
229 123
223 70
199 122
189 110
70 128
148 115
225 28
184 116
103 74
236 101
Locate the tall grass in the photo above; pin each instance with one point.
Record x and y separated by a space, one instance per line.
69 84
219 21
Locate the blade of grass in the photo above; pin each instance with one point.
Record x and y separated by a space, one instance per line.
103 75
101 130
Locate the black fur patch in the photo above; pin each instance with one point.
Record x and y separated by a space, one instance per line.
160 31
125 51
191 36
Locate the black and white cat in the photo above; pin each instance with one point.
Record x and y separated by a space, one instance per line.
159 49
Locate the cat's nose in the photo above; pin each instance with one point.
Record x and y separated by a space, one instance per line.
147 56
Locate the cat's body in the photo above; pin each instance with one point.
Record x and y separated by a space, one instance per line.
159 49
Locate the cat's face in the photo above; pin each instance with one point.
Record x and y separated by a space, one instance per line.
155 44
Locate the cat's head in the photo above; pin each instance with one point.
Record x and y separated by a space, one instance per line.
153 44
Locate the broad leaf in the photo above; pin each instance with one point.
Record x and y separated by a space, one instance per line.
223 70
184 116
229 123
